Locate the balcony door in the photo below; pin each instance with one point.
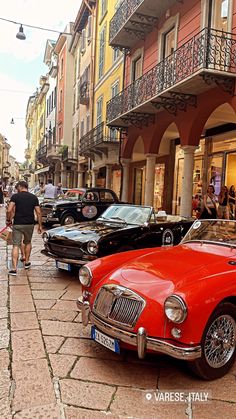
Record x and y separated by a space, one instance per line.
169 43
219 13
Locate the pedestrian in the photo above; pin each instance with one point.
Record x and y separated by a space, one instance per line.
21 209
10 190
232 196
1 195
59 189
223 198
209 201
50 191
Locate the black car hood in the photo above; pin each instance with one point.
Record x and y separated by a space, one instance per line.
57 202
90 230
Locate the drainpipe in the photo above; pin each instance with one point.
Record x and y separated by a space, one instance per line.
120 147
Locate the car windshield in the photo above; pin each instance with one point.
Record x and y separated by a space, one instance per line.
130 214
215 231
73 195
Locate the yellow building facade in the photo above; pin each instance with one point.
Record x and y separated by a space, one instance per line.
108 83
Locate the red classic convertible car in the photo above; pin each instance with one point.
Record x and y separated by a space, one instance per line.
179 301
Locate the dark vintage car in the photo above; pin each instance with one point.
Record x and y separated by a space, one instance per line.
77 205
119 229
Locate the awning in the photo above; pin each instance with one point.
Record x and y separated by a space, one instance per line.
42 170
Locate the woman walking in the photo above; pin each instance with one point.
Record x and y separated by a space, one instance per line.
209 201
223 198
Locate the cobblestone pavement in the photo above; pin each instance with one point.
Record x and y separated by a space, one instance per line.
49 367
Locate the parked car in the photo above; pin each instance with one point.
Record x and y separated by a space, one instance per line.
78 204
179 301
120 228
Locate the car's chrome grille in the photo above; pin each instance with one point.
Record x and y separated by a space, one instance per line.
46 210
118 305
66 251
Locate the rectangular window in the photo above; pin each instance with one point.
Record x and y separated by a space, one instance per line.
83 41
82 129
99 110
78 95
169 43
62 67
88 122
89 29
115 89
220 15
74 98
103 6
55 97
52 101
116 54
60 101
137 68
101 62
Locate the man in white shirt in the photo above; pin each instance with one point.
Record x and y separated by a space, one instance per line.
50 191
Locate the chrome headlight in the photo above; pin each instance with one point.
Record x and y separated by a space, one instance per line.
85 276
54 208
45 237
175 309
92 247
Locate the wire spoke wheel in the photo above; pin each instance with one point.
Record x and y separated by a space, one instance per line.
69 219
220 341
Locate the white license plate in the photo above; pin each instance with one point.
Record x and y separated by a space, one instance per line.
110 343
62 265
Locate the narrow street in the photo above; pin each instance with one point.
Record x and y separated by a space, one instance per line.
51 369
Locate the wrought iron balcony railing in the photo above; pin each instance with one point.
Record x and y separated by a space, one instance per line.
133 19
210 51
41 152
54 150
69 153
99 135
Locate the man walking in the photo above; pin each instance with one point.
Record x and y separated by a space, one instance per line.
21 208
50 191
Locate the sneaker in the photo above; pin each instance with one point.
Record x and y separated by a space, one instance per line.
12 272
27 265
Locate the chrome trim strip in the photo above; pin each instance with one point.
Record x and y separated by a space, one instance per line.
140 340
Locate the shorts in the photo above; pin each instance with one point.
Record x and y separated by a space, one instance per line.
22 231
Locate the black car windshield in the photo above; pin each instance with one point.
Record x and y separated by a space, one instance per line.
130 214
215 231
73 195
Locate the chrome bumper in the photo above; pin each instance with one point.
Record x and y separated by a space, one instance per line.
65 260
47 219
140 340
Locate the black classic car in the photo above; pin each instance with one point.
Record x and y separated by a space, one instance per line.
119 229
79 204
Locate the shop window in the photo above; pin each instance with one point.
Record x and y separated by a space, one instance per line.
159 186
215 165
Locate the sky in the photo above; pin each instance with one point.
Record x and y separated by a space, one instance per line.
21 62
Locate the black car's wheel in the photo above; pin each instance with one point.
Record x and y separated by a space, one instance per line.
124 249
218 344
67 219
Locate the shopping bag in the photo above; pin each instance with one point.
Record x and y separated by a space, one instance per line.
6 234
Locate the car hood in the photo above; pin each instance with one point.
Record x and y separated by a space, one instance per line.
90 230
171 269
59 202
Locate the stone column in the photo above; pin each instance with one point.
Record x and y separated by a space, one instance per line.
80 179
125 180
187 181
150 178
56 178
94 177
64 179
108 176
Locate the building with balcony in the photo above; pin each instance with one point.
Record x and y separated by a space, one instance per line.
83 50
177 106
5 170
104 160
65 170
